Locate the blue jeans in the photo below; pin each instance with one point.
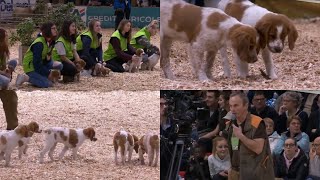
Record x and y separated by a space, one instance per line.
40 80
4 81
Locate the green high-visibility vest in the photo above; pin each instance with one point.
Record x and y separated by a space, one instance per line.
110 52
67 47
94 42
143 32
28 57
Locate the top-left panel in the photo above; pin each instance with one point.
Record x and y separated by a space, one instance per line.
76 45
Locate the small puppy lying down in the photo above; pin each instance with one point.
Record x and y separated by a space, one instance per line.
149 144
71 138
126 142
134 64
10 139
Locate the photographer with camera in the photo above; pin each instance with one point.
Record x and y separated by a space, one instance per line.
165 130
207 126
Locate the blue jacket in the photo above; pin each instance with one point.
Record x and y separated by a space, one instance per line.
302 141
121 4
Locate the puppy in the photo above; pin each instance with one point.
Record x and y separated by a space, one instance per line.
126 142
272 28
206 30
149 144
33 127
10 139
71 138
136 64
79 66
54 75
152 61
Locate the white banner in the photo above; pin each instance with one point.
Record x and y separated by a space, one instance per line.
6 6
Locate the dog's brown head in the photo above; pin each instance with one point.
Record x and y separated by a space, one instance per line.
273 30
80 64
34 127
105 71
90 133
244 42
23 131
139 52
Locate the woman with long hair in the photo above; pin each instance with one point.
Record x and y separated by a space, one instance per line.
65 51
119 49
37 62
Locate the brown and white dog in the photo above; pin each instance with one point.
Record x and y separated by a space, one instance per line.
33 127
272 28
79 66
126 142
149 144
71 138
134 65
152 61
10 139
206 30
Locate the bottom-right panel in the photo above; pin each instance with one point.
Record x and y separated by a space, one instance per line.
239 134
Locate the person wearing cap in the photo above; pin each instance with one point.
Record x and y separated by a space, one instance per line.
249 148
119 50
142 40
294 124
37 62
9 98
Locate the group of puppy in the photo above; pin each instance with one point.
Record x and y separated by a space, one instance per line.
239 24
126 143
73 139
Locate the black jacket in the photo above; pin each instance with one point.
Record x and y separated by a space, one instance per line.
282 123
198 170
298 170
267 112
314 123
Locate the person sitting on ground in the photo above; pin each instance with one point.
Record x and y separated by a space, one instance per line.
219 160
274 137
142 40
89 48
65 51
119 49
314 172
6 68
294 131
291 163
37 62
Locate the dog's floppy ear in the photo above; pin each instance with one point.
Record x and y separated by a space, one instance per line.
263 28
90 133
292 36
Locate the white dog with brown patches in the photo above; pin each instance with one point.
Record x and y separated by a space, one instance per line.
149 144
71 138
9 140
126 142
272 28
206 30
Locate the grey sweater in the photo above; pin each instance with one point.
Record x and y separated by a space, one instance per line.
315 166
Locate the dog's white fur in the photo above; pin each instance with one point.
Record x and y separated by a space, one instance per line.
66 136
251 16
126 143
204 46
10 139
149 144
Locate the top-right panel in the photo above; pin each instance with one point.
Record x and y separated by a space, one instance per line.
240 44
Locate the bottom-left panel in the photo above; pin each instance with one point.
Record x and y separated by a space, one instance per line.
66 134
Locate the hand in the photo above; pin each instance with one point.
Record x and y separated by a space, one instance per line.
313 130
282 109
312 153
224 173
237 131
72 63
